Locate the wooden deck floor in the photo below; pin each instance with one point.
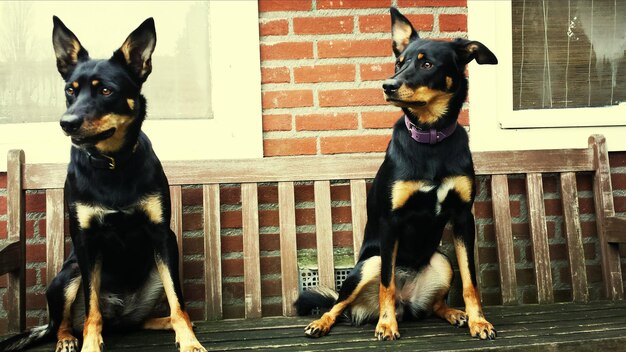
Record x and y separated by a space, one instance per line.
567 327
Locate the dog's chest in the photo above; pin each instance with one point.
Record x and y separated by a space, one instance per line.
429 195
149 207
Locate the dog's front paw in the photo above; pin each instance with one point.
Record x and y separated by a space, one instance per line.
482 329
387 330
455 317
69 344
191 346
93 343
317 328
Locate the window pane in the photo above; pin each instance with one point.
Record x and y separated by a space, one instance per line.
31 89
568 53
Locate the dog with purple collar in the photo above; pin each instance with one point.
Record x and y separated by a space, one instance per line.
425 182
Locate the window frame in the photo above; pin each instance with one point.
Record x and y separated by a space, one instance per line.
494 123
234 132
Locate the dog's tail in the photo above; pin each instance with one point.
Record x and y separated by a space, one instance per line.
28 338
319 297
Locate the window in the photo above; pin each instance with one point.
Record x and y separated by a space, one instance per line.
193 112
561 74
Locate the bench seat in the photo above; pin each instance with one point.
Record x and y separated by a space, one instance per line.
547 327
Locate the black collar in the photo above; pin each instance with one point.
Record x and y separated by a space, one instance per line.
103 161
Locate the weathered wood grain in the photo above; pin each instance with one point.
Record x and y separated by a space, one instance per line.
504 238
288 247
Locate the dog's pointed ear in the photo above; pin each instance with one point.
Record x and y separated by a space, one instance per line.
402 32
67 48
136 52
469 50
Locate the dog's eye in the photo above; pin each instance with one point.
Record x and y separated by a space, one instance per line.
105 91
69 91
427 65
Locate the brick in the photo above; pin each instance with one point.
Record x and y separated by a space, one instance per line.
305 216
3 230
193 269
282 5
3 180
618 181
616 159
193 245
342 239
268 217
379 119
353 48
277 122
453 23
323 25
287 51
35 203
376 72
271 241
324 73
268 194
287 99
192 196
382 23
289 146
3 205
354 144
232 244
351 4
341 215
192 221
432 3
36 253
340 192
351 97
275 75
325 122
463 119
553 207
230 195
273 27
304 193
231 219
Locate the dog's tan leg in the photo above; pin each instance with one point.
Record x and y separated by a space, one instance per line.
179 319
164 323
92 331
387 327
66 342
369 272
440 308
478 325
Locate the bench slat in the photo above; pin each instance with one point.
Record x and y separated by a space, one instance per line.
251 251
539 237
16 225
532 161
324 234
316 168
358 199
176 223
288 247
504 238
55 233
603 200
212 253
573 233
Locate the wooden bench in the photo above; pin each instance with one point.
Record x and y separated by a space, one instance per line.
528 327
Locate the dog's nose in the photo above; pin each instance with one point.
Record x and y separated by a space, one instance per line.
391 86
70 123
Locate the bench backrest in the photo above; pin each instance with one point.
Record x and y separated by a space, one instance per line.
321 171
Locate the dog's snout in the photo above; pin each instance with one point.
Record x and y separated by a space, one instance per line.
70 123
391 86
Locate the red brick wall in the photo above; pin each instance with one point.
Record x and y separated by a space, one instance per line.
323 62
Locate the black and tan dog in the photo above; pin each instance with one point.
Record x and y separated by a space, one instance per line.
125 257
425 181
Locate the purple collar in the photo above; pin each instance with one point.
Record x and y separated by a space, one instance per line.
431 136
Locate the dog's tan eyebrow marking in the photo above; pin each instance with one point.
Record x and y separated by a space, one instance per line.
75 84
401 58
449 82
95 82
131 103
420 56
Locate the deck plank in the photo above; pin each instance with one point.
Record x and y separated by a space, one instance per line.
554 327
